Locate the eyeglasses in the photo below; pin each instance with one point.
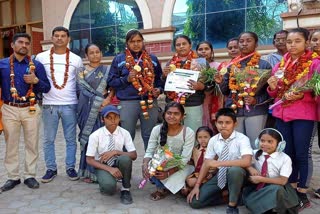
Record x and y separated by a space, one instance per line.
280 40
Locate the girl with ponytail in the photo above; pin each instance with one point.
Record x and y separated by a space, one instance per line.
180 140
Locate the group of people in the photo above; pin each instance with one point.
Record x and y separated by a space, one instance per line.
231 146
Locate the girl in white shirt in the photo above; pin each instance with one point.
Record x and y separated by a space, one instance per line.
270 191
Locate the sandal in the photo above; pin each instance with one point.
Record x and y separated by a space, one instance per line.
158 195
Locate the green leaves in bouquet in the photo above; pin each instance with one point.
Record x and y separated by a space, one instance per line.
207 75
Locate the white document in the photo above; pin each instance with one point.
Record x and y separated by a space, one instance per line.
178 80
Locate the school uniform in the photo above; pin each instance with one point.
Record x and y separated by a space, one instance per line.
99 143
272 196
210 193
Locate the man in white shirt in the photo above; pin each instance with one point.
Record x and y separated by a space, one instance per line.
60 102
231 153
105 153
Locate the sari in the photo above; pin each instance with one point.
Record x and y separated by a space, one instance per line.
91 87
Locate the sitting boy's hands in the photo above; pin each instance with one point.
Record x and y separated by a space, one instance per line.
255 179
115 172
252 171
104 157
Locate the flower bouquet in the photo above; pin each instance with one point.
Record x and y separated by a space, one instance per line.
301 85
162 160
207 75
249 81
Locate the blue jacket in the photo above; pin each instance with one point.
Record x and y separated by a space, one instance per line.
118 77
20 69
262 97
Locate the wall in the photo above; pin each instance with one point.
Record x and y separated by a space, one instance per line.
53 15
37 37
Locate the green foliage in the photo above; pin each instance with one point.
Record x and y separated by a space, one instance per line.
219 21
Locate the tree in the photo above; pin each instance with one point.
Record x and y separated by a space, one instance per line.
218 21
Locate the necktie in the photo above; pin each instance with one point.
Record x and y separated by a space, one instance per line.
111 147
264 171
200 161
222 175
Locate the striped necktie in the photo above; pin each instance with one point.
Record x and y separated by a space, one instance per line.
222 175
111 147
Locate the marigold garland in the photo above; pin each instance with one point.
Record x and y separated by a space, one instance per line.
144 78
30 95
66 72
237 102
177 61
294 72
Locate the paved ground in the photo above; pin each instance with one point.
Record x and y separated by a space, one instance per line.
65 196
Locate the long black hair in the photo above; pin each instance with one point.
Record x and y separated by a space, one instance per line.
164 127
273 133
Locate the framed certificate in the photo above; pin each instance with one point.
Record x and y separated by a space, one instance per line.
178 80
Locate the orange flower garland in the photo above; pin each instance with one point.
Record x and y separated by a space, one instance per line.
237 102
294 72
30 95
66 72
144 78
176 60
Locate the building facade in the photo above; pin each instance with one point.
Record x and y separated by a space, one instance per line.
106 22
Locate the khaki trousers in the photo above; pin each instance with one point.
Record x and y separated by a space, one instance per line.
13 118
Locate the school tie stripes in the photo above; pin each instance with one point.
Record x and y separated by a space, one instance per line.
264 171
222 174
111 147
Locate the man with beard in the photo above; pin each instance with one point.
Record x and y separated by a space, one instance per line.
21 78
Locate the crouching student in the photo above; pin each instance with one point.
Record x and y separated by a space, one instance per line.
269 174
105 154
233 153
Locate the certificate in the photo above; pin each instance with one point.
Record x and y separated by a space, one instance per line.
178 80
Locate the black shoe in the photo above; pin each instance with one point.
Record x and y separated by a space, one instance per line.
125 197
31 183
232 210
10 184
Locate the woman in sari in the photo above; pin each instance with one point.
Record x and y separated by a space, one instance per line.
192 102
93 95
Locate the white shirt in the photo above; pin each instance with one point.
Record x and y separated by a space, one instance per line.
100 139
279 164
238 143
67 95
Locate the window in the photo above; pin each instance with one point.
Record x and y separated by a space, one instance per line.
105 23
218 21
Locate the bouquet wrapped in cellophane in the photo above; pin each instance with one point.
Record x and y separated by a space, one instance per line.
301 85
249 81
163 160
